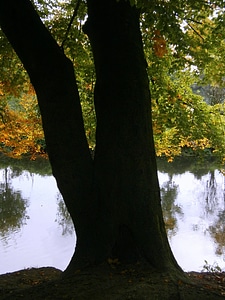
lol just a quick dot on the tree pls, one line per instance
(113, 198)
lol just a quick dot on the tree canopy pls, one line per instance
(184, 45)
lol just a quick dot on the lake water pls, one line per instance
(36, 231)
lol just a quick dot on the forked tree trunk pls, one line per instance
(114, 200)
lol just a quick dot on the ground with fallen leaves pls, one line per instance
(107, 283)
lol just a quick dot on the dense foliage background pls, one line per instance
(184, 44)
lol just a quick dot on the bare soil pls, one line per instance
(109, 282)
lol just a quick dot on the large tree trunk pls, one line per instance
(126, 179)
(114, 200)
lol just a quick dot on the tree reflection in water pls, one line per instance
(217, 230)
(12, 206)
(169, 193)
(63, 217)
(211, 194)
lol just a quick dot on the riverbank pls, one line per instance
(109, 283)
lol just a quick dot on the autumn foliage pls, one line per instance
(20, 126)
(159, 45)
(182, 120)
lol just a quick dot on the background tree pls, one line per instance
(114, 203)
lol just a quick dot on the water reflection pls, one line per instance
(169, 193)
(195, 222)
(211, 193)
(217, 231)
(215, 202)
(31, 235)
(36, 229)
(63, 217)
(13, 213)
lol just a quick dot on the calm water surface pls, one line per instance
(36, 230)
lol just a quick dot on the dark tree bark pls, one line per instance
(52, 76)
(114, 200)
(125, 164)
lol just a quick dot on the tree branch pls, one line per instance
(70, 23)
(194, 21)
(196, 31)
